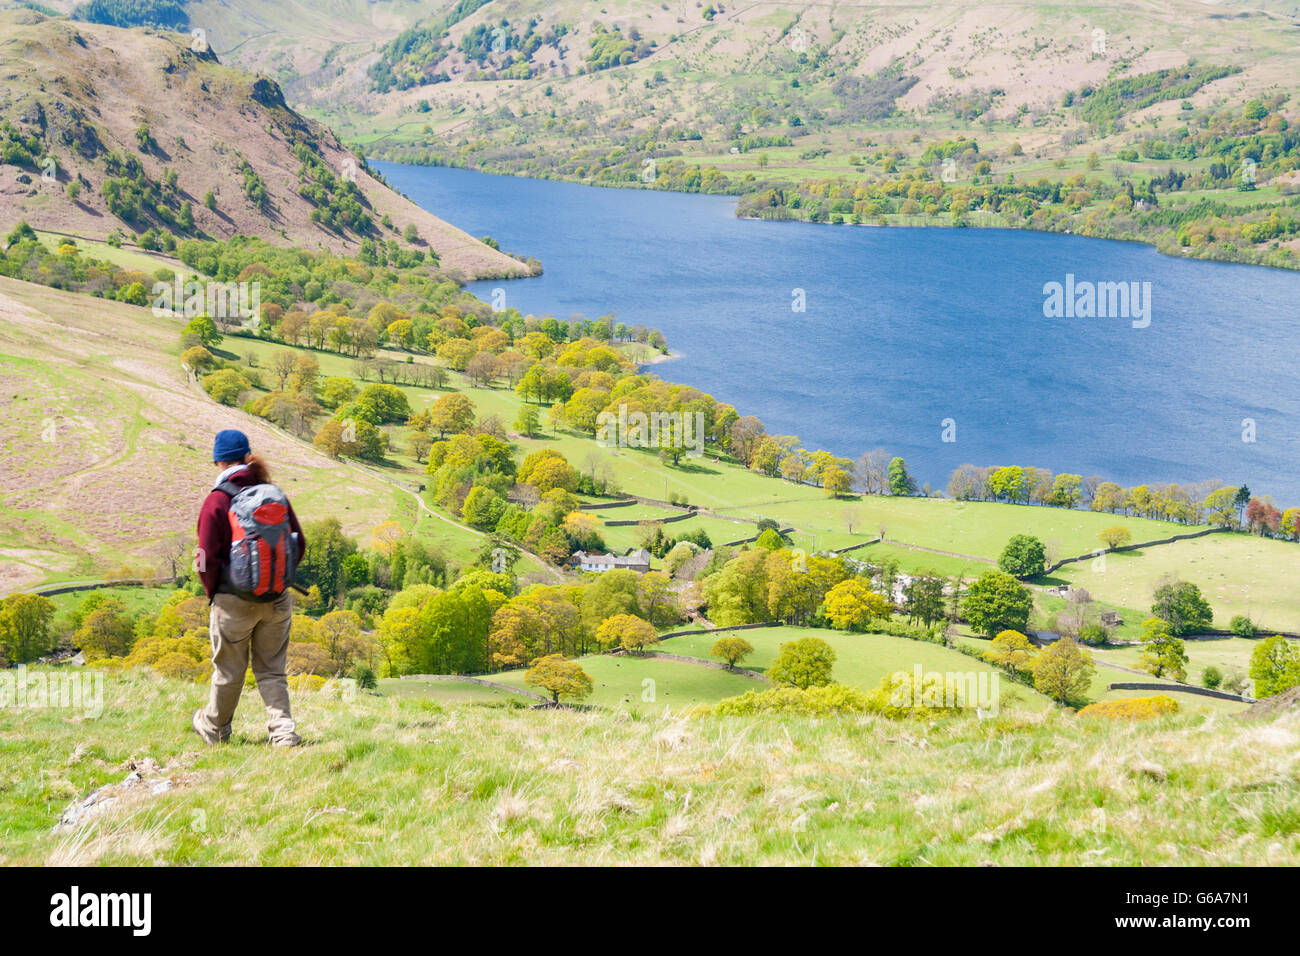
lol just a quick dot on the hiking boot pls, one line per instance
(286, 740)
(209, 738)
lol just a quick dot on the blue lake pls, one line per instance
(904, 328)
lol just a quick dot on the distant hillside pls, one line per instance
(1170, 123)
(707, 66)
(136, 131)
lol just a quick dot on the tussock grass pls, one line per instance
(403, 780)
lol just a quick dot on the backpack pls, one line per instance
(263, 546)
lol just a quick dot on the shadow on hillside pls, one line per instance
(694, 468)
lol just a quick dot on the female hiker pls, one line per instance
(250, 544)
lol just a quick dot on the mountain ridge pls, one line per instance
(123, 131)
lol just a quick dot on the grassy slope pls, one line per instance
(135, 600)
(402, 781)
(620, 682)
(1238, 574)
(973, 528)
(448, 692)
(103, 381)
(861, 660)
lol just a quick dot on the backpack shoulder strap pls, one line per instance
(229, 487)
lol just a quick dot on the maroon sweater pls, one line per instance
(214, 532)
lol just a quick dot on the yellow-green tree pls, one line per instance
(850, 605)
(1163, 653)
(559, 678)
(1010, 650)
(399, 636)
(657, 598)
(804, 663)
(401, 333)
(456, 353)
(1275, 666)
(385, 537)
(1115, 536)
(25, 627)
(1064, 671)
(527, 420)
(226, 386)
(198, 358)
(732, 650)
(547, 469)
(517, 631)
(105, 631)
(627, 631)
(836, 482)
(452, 412)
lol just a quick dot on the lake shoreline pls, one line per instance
(914, 334)
(738, 196)
(661, 358)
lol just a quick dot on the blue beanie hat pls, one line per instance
(231, 445)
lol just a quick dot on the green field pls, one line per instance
(719, 531)
(1228, 653)
(448, 692)
(1127, 657)
(127, 256)
(648, 685)
(136, 600)
(913, 560)
(975, 528)
(861, 660)
(1237, 573)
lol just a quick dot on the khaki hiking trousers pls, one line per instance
(241, 630)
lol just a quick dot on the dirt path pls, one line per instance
(538, 559)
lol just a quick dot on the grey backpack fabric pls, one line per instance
(263, 545)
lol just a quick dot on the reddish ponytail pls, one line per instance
(258, 469)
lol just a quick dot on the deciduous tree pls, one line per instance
(1275, 666)
(1163, 653)
(851, 604)
(1181, 606)
(1064, 671)
(1115, 536)
(453, 413)
(627, 631)
(804, 663)
(559, 678)
(1024, 556)
(732, 650)
(1010, 650)
(997, 602)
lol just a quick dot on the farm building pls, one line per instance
(638, 561)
